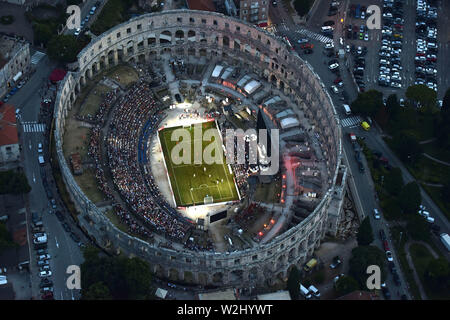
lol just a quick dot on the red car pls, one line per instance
(418, 54)
(47, 296)
(386, 245)
(307, 46)
(337, 80)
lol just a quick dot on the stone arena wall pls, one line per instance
(216, 37)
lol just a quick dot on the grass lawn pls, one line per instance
(191, 183)
(421, 258)
(88, 183)
(401, 254)
(437, 152)
(115, 220)
(427, 170)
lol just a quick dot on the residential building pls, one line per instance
(14, 62)
(9, 139)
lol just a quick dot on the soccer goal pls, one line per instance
(208, 200)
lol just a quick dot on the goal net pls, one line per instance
(208, 200)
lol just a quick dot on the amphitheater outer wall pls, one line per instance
(270, 58)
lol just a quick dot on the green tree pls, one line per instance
(393, 107)
(293, 283)
(393, 182)
(63, 48)
(362, 257)
(14, 182)
(345, 285)
(42, 33)
(442, 129)
(437, 275)
(406, 146)
(368, 103)
(365, 233)
(445, 191)
(423, 95)
(97, 291)
(410, 198)
(302, 6)
(6, 241)
(418, 228)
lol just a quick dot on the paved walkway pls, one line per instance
(436, 160)
(411, 265)
(427, 141)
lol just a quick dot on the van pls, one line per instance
(314, 291)
(311, 264)
(327, 29)
(347, 109)
(305, 292)
(365, 126)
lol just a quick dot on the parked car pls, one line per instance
(376, 214)
(389, 256)
(44, 274)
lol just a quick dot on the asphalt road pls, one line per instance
(62, 249)
(364, 184)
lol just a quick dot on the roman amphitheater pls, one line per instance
(235, 74)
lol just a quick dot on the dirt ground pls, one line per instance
(88, 183)
(76, 138)
(124, 75)
(93, 100)
(268, 193)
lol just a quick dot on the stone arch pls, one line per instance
(173, 274)
(237, 45)
(191, 35)
(291, 255)
(141, 58)
(179, 35)
(130, 47)
(237, 276)
(273, 79)
(165, 37)
(159, 271)
(217, 277)
(281, 85)
(202, 52)
(226, 41)
(191, 51)
(253, 274)
(202, 278)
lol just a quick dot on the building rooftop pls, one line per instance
(8, 47)
(204, 5)
(8, 127)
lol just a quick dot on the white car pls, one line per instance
(44, 274)
(43, 257)
(430, 219)
(389, 256)
(77, 32)
(376, 214)
(366, 37)
(335, 89)
(40, 150)
(396, 85)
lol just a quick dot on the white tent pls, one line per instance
(252, 86)
(216, 72)
(289, 122)
(17, 76)
(161, 293)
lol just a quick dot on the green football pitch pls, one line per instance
(192, 183)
